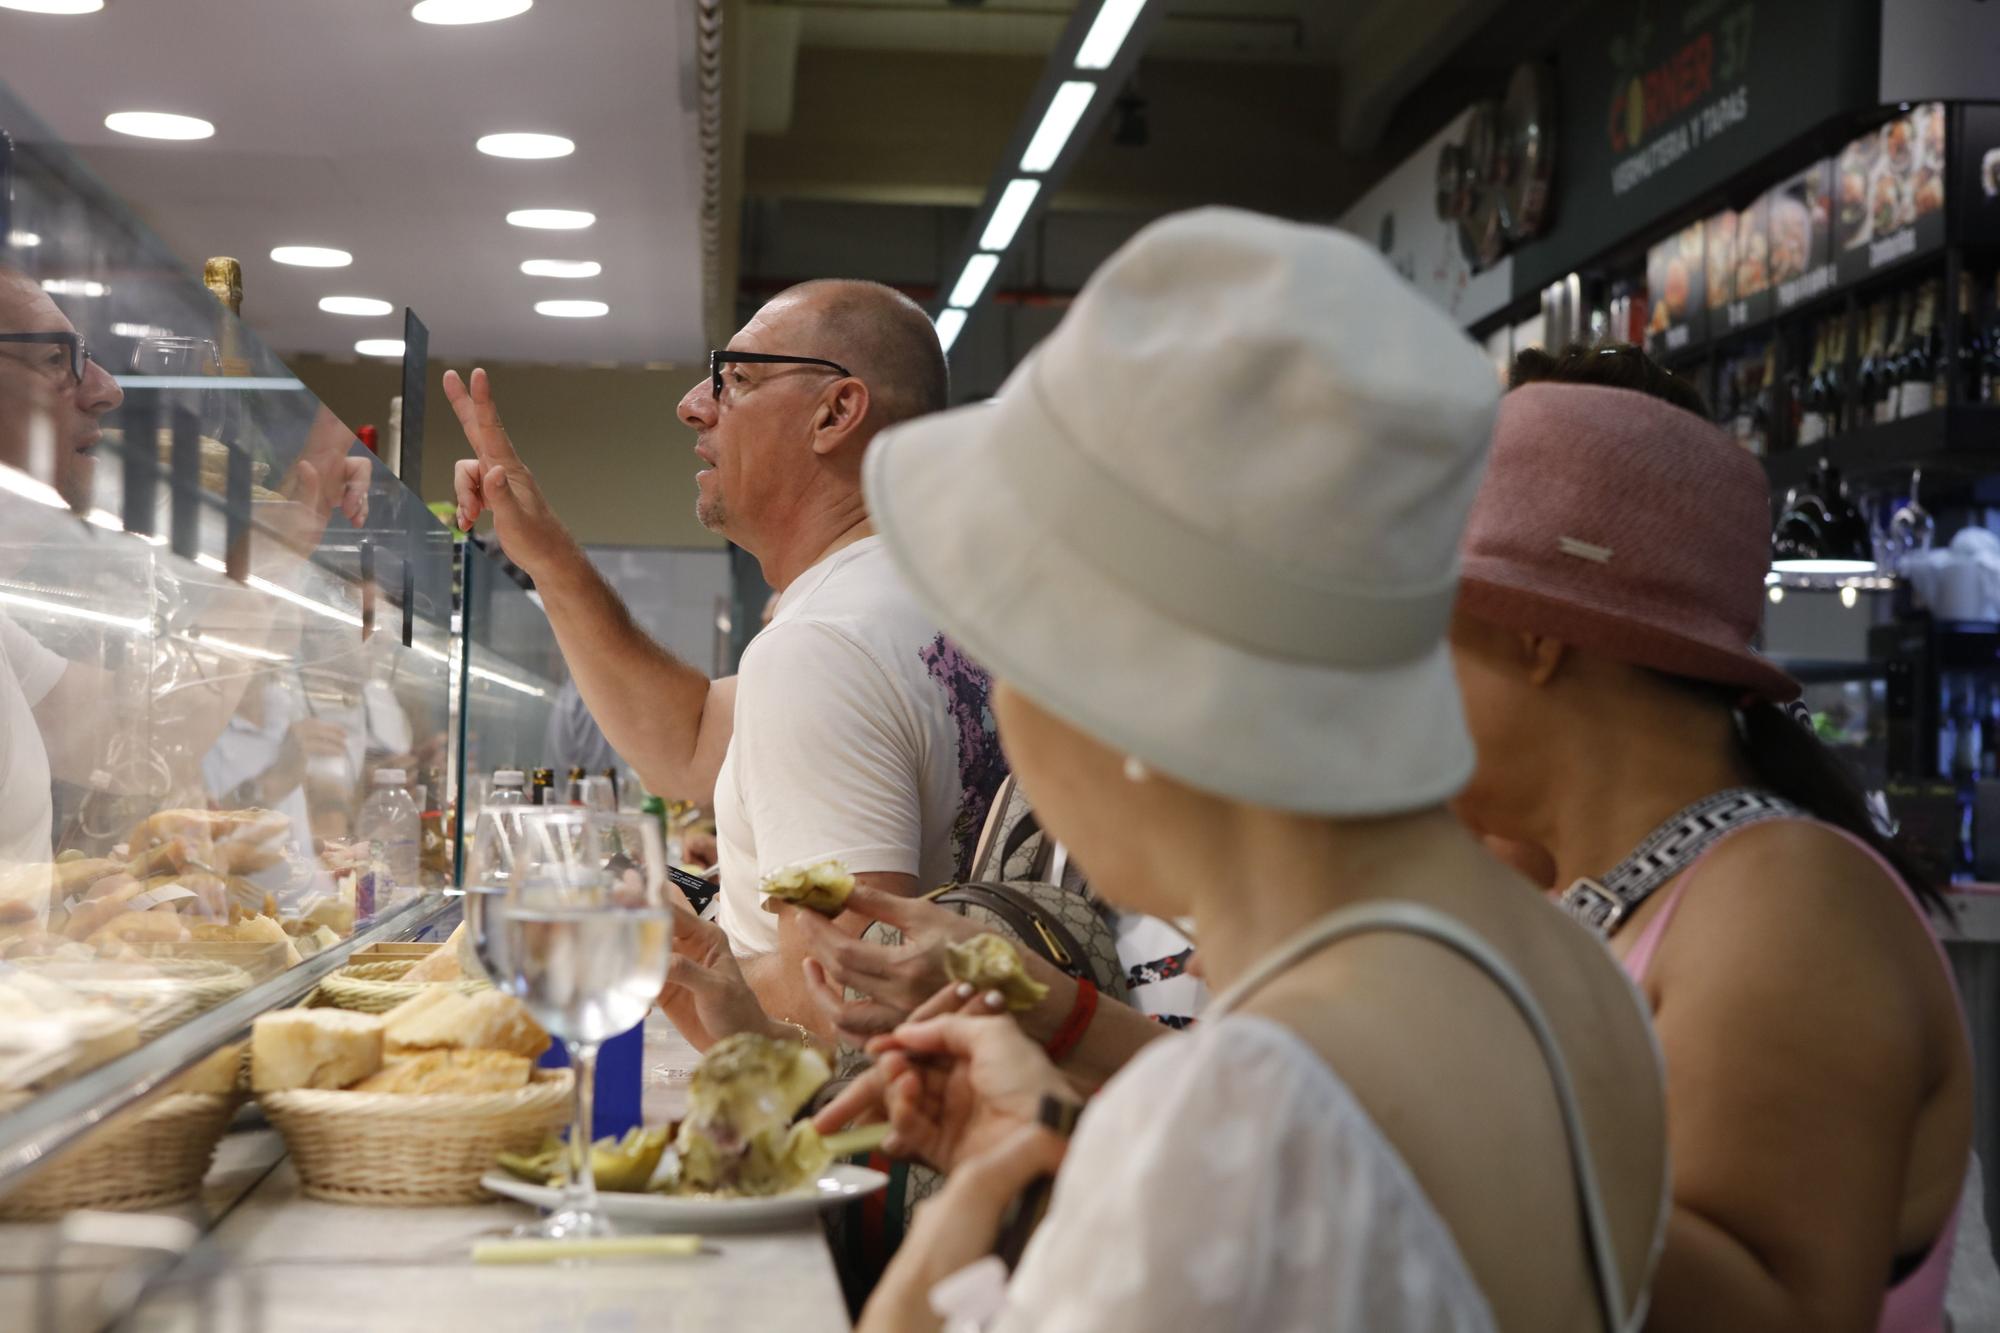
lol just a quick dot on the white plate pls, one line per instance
(841, 1183)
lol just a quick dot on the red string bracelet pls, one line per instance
(1071, 1032)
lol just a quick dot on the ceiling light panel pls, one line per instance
(949, 325)
(572, 309)
(158, 125)
(454, 13)
(1015, 201)
(1107, 33)
(311, 256)
(1066, 108)
(972, 282)
(354, 305)
(551, 219)
(531, 146)
(561, 268)
(380, 347)
(53, 6)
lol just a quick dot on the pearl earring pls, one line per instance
(1136, 771)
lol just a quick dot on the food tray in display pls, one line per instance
(155, 1159)
(1889, 193)
(377, 986)
(839, 1184)
(411, 1149)
(161, 994)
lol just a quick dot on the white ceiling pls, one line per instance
(346, 123)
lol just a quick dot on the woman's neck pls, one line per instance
(1264, 876)
(1596, 798)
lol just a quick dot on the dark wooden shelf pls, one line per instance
(1956, 445)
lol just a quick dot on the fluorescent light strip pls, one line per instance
(949, 323)
(207, 561)
(136, 624)
(1824, 566)
(1015, 201)
(318, 608)
(1066, 108)
(216, 641)
(1107, 33)
(219, 383)
(25, 486)
(498, 679)
(972, 282)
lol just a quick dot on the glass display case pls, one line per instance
(242, 670)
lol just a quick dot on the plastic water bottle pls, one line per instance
(510, 787)
(392, 827)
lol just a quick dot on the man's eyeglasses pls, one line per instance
(78, 352)
(717, 360)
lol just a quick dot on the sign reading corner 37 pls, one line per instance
(1664, 100)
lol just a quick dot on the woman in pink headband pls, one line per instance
(1819, 1082)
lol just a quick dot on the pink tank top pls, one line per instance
(1916, 1304)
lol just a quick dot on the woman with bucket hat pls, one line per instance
(1819, 1084)
(1205, 540)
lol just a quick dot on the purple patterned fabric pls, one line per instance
(981, 765)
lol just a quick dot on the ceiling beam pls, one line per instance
(1393, 50)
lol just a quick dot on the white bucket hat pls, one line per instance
(1213, 520)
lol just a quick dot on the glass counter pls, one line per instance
(227, 633)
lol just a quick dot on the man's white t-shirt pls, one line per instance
(28, 671)
(861, 734)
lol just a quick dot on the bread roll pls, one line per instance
(441, 965)
(437, 1072)
(444, 1018)
(313, 1048)
(140, 927)
(217, 1075)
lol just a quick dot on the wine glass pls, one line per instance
(567, 911)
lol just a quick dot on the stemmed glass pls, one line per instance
(567, 910)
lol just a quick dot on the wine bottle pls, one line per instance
(1989, 362)
(1812, 421)
(1964, 379)
(1919, 362)
(1836, 376)
(1764, 415)
(1868, 380)
(1890, 400)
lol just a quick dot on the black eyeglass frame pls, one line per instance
(79, 352)
(718, 359)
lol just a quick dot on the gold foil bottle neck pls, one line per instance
(224, 277)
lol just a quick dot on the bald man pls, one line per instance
(853, 730)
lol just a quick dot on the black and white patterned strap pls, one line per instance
(1603, 904)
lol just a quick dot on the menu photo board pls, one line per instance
(1674, 272)
(1890, 188)
(1751, 298)
(1978, 150)
(1801, 237)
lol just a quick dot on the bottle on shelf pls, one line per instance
(1890, 402)
(1918, 364)
(611, 776)
(1989, 361)
(1764, 412)
(223, 277)
(1963, 383)
(542, 788)
(510, 787)
(1812, 419)
(1835, 375)
(391, 827)
(1868, 376)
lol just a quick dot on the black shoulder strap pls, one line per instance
(1603, 904)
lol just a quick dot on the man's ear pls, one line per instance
(1542, 657)
(839, 415)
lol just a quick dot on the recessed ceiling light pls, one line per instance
(467, 11)
(561, 268)
(354, 305)
(380, 347)
(53, 6)
(551, 219)
(525, 145)
(72, 287)
(158, 125)
(23, 240)
(572, 309)
(312, 256)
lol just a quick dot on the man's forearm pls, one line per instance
(782, 993)
(651, 706)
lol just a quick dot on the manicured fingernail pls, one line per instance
(995, 1000)
(965, 989)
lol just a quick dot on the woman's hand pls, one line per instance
(959, 1226)
(706, 996)
(894, 980)
(864, 1100)
(956, 1086)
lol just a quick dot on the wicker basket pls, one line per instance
(161, 994)
(408, 1149)
(155, 1158)
(377, 986)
